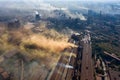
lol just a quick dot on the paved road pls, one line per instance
(87, 65)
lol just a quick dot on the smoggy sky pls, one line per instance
(65, 0)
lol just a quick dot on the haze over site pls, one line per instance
(63, 0)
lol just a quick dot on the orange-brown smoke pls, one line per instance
(28, 38)
(48, 44)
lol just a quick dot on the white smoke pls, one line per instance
(65, 65)
(36, 12)
(81, 17)
(76, 15)
(49, 7)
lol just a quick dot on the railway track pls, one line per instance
(64, 69)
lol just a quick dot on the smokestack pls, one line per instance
(37, 16)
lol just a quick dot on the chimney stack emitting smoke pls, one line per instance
(37, 16)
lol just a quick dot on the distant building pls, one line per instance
(100, 13)
(14, 24)
(37, 16)
(91, 12)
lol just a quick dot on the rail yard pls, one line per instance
(77, 66)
